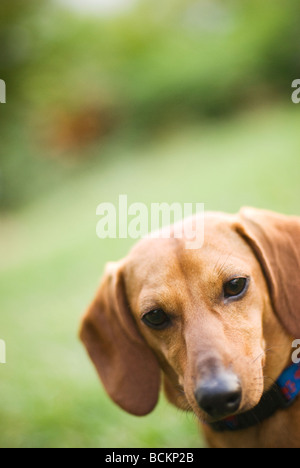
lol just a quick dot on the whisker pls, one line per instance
(180, 389)
(265, 352)
(261, 354)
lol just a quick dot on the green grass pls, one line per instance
(51, 262)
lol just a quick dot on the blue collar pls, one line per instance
(281, 395)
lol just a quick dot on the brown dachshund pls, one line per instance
(216, 325)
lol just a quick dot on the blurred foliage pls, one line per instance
(74, 81)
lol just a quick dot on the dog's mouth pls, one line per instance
(209, 420)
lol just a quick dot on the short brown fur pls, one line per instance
(252, 337)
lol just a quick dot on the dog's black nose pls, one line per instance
(220, 395)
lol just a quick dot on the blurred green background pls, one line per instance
(185, 101)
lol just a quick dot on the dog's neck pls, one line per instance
(280, 431)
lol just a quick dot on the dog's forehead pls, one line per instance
(154, 259)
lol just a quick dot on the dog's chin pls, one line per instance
(205, 419)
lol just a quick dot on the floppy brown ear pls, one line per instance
(126, 365)
(275, 239)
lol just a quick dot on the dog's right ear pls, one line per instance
(275, 240)
(126, 365)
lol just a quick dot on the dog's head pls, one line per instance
(215, 323)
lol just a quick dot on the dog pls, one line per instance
(215, 326)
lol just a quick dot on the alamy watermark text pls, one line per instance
(296, 93)
(2, 92)
(2, 352)
(159, 221)
(296, 354)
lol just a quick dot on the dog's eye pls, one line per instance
(235, 287)
(157, 319)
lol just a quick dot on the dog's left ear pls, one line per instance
(275, 240)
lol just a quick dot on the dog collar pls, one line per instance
(281, 395)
